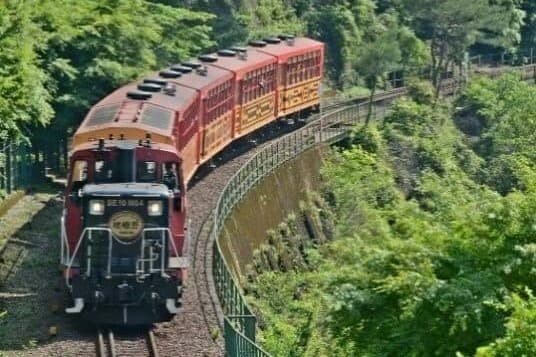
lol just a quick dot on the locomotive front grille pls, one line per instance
(103, 255)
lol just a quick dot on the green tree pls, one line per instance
(452, 26)
(270, 18)
(94, 46)
(336, 26)
(377, 58)
(520, 338)
(24, 99)
(528, 33)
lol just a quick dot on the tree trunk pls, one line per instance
(371, 101)
(438, 60)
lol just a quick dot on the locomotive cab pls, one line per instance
(124, 237)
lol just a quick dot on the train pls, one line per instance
(124, 237)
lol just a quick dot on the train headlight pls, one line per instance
(96, 207)
(154, 208)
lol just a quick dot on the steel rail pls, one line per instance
(151, 342)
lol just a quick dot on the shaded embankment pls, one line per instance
(267, 205)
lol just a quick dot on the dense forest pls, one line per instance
(431, 244)
(60, 56)
(431, 248)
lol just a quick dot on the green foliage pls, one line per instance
(391, 46)
(24, 100)
(506, 109)
(528, 32)
(62, 56)
(377, 58)
(336, 25)
(107, 44)
(421, 92)
(452, 26)
(428, 257)
(520, 337)
(270, 18)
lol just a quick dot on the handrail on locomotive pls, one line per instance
(141, 271)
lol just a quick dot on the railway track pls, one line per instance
(195, 331)
(108, 346)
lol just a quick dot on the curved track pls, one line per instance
(195, 331)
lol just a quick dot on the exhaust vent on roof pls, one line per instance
(208, 58)
(181, 68)
(257, 43)
(239, 49)
(272, 40)
(226, 53)
(149, 87)
(138, 94)
(285, 37)
(170, 89)
(158, 81)
(289, 39)
(192, 64)
(242, 52)
(202, 71)
(169, 74)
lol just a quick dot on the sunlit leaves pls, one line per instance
(24, 99)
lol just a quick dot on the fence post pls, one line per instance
(249, 325)
(9, 169)
(3, 167)
(321, 127)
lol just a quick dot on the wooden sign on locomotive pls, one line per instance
(124, 247)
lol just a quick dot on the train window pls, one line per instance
(146, 171)
(79, 171)
(103, 171)
(79, 175)
(169, 175)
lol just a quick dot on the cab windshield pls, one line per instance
(106, 171)
(146, 171)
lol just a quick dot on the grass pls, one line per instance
(27, 297)
(22, 212)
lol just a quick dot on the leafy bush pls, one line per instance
(434, 246)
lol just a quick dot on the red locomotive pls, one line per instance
(124, 247)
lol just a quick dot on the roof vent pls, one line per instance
(149, 87)
(169, 74)
(138, 94)
(181, 68)
(226, 53)
(289, 39)
(158, 81)
(257, 43)
(192, 64)
(208, 58)
(202, 71)
(170, 89)
(239, 49)
(272, 40)
(285, 37)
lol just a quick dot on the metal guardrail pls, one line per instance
(239, 321)
(239, 325)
